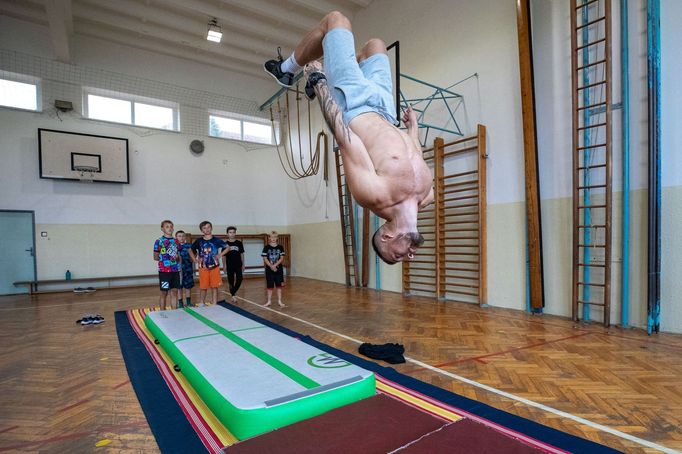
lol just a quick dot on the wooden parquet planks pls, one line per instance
(64, 387)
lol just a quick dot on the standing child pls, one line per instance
(167, 255)
(273, 256)
(234, 261)
(187, 277)
(206, 253)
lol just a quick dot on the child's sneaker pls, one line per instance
(79, 290)
(97, 319)
(274, 68)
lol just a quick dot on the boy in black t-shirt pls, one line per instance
(234, 261)
(273, 256)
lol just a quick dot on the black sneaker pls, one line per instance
(96, 320)
(79, 290)
(309, 91)
(313, 79)
(274, 68)
(90, 289)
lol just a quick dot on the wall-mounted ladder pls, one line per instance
(452, 263)
(350, 256)
(591, 81)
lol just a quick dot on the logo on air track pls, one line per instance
(327, 361)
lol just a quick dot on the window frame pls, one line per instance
(25, 79)
(132, 99)
(244, 119)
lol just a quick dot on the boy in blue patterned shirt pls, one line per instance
(166, 253)
(187, 267)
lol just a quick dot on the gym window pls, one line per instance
(130, 110)
(20, 92)
(237, 127)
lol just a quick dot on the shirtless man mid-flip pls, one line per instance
(384, 166)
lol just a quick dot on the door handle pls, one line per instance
(29, 250)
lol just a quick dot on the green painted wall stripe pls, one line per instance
(260, 354)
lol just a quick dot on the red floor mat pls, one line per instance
(466, 437)
(377, 424)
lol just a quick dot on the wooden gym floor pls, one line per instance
(64, 387)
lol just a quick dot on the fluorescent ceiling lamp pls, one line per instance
(215, 33)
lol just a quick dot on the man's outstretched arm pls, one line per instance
(410, 122)
(364, 182)
(331, 111)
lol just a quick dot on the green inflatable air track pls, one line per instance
(252, 377)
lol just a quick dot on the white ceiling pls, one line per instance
(252, 29)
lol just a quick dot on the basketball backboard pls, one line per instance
(63, 155)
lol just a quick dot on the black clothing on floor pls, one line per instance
(391, 353)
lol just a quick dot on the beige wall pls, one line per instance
(317, 251)
(671, 260)
(93, 250)
(557, 247)
(317, 254)
(506, 264)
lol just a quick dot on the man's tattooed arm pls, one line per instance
(332, 113)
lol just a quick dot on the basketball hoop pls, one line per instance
(86, 173)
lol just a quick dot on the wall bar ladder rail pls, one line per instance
(625, 83)
(654, 180)
(582, 203)
(439, 202)
(346, 212)
(482, 218)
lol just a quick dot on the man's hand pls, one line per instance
(410, 121)
(313, 67)
(410, 118)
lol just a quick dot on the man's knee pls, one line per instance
(336, 19)
(372, 47)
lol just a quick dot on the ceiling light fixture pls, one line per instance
(215, 32)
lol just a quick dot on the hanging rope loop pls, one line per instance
(295, 166)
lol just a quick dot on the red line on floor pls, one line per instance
(503, 352)
(27, 444)
(121, 384)
(575, 327)
(73, 405)
(115, 428)
(73, 436)
(644, 341)
(8, 429)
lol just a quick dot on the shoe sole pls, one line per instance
(305, 92)
(276, 79)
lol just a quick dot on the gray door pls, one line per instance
(17, 243)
